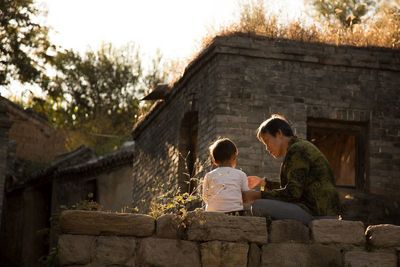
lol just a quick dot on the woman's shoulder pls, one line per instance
(299, 144)
(304, 148)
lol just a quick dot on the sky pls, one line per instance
(174, 27)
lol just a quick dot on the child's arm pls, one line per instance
(245, 185)
(254, 181)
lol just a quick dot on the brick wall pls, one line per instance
(157, 139)
(36, 140)
(303, 81)
(5, 124)
(240, 81)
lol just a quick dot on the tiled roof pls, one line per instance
(66, 165)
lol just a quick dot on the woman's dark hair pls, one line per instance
(273, 125)
(222, 150)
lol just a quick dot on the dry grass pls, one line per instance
(383, 30)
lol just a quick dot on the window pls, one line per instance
(344, 145)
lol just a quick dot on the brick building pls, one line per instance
(30, 222)
(27, 143)
(38, 176)
(344, 99)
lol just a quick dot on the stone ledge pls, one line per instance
(75, 249)
(383, 235)
(104, 223)
(168, 227)
(168, 252)
(209, 226)
(338, 231)
(289, 231)
(300, 255)
(218, 253)
(370, 259)
(335, 243)
(254, 256)
(115, 250)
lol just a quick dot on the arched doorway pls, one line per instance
(188, 152)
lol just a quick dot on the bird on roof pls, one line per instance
(160, 92)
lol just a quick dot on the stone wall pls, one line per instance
(216, 239)
(239, 81)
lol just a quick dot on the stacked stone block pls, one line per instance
(215, 239)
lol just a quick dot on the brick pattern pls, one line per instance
(36, 141)
(240, 81)
(157, 157)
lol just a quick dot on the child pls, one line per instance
(223, 186)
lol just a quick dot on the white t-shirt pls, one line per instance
(222, 189)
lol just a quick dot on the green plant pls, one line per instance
(50, 260)
(86, 204)
(129, 209)
(179, 204)
(168, 197)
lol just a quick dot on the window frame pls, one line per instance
(360, 131)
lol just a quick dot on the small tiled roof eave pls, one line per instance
(99, 165)
(92, 167)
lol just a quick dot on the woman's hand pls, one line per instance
(254, 181)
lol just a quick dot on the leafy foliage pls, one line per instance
(346, 12)
(98, 84)
(95, 96)
(168, 198)
(24, 44)
(178, 204)
(86, 204)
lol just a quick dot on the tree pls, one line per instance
(24, 45)
(346, 12)
(95, 96)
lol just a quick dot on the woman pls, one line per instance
(307, 182)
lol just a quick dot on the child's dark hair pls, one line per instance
(273, 125)
(222, 150)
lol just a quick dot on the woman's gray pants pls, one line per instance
(280, 210)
